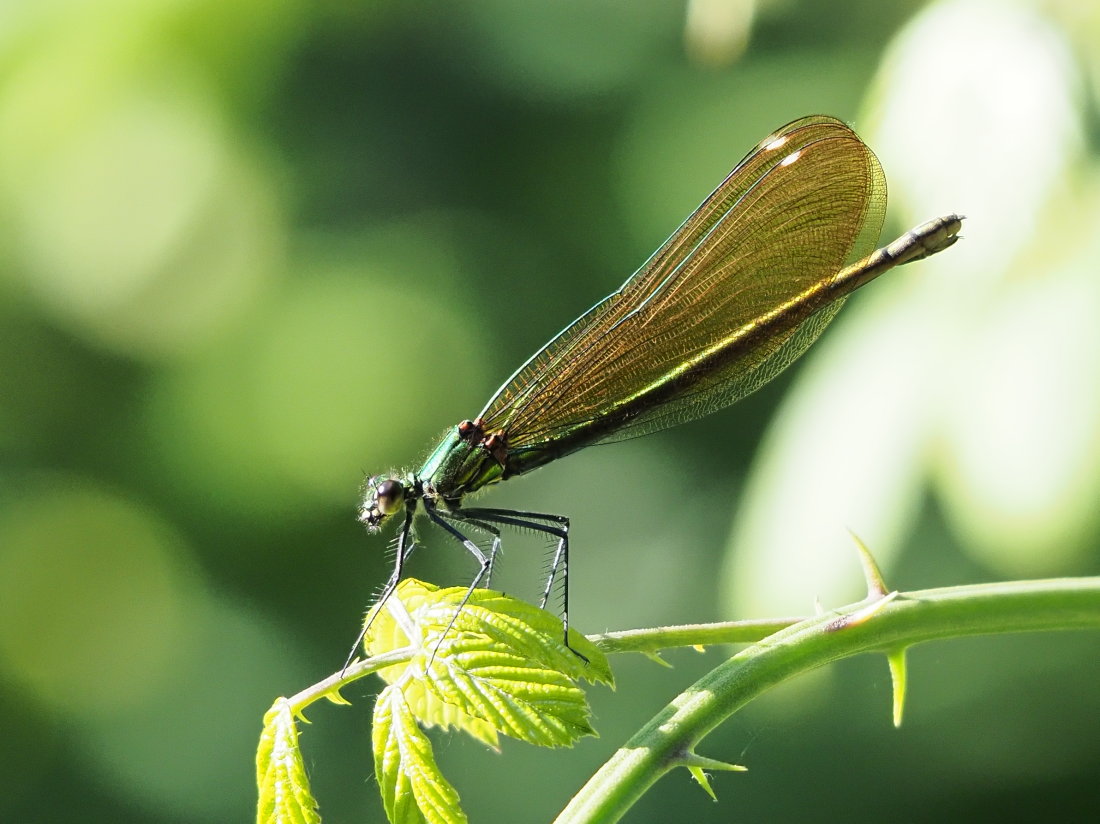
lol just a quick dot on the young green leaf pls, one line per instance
(492, 665)
(413, 789)
(284, 796)
(498, 665)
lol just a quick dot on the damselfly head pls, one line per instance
(382, 496)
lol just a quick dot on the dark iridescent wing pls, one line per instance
(808, 200)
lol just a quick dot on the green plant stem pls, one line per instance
(656, 639)
(669, 738)
(330, 687)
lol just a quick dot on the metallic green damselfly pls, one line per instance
(732, 298)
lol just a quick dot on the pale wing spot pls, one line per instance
(791, 158)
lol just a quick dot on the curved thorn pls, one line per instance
(876, 584)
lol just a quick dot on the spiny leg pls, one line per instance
(493, 549)
(443, 519)
(523, 521)
(557, 526)
(405, 546)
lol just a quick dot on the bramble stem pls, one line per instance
(910, 618)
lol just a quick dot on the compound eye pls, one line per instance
(389, 496)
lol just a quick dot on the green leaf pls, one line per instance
(498, 665)
(413, 789)
(492, 665)
(284, 796)
(431, 710)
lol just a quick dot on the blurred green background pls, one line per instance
(250, 251)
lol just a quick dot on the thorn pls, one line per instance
(656, 658)
(691, 759)
(854, 619)
(335, 697)
(696, 764)
(899, 675)
(818, 609)
(703, 781)
(876, 584)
